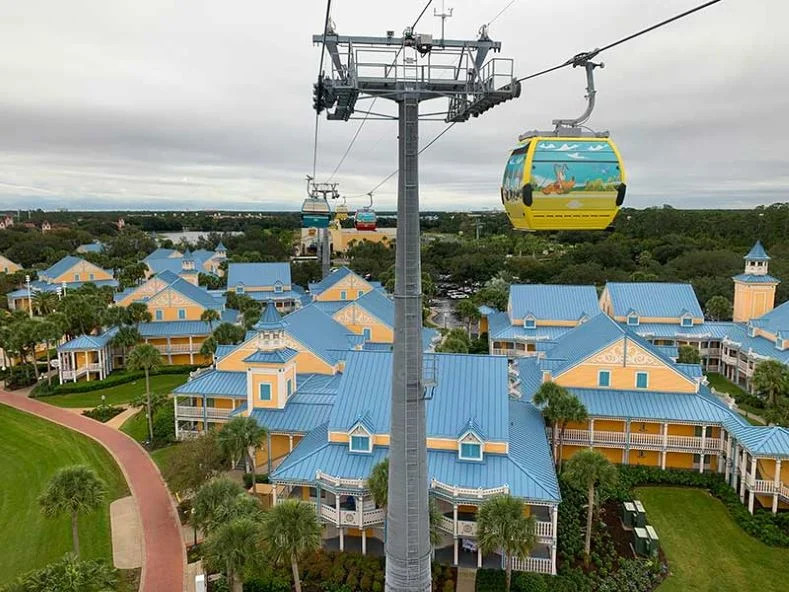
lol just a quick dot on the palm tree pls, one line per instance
(49, 332)
(235, 546)
(116, 316)
(718, 308)
(139, 313)
(291, 530)
(503, 525)
(125, 338)
(378, 486)
(469, 312)
(45, 302)
(560, 407)
(238, 436)
(68, 574)
(209, 315)
(211, 502)
(70, 491)
(771, 380)
(589, 469)
(145, 357)
(208, 348)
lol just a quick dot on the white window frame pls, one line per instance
(158, 314)
(240, 289)
(278, 287)
(367, 333)
(343, 295)
(181, 314)
(599, 374)
(646, 374)
(260, 394)
(360, 432)
(76, 277)
(635, 317)
(529, 322)
(687, 321)
(471, 438)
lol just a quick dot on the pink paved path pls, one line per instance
(165, 554)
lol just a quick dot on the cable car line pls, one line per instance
(421, 14)
(320, 82)
(502, 11)
(575, 60)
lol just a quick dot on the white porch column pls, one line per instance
(479, 558)
(736, 466)
(455, 549)
(364, 541)
(342, 539)
(591, 431)
(701, 462)
(61, 361)
(727, 467)
(663, 455)
(73, 367)
(703, 437)
(553, 558)
(337, 507)
(360, 511)
(743, 472)
(274, 495)
(752, 480)
(175, 415)
(290, 442)
(455, 519)
(777, 485)
(169, 354)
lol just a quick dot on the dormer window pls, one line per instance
(632, 319)
(239, 289)
(361, 440)
(529, 322)
(687, 321)
(779, 343)
(751, 331)
(470, 447)
(278, 288)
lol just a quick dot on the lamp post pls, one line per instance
(29, 296)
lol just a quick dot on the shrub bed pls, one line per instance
(258, 479)
(114, 379)
(103, 413)
(771, 529)
(22, 376)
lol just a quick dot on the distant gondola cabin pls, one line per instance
(315, 213)
(559, 183)
(365, 219)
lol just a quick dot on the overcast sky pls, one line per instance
(207, 104)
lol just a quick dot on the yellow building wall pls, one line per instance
(170, 302)
(306, 361)
(623, 377)
(679, 460)
(545, 322)
(752, 300)
(483, 325)
(766, 468)
(609, 425)
(351, 284)
(681, 430)
(646, 458)
(80, 272)
(643, 427)
(8, 266)
(379, 332)
(277, 380)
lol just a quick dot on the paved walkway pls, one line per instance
(467, 580)
(117, 421)
(126, 534)
(164, 552)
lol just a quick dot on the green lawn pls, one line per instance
(162, 456)
(136, 426)
(118, 395)
(32, 450)
(706, 550)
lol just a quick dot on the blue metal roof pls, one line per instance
(738, 334)
(257, 274)
(277, 356)
(94, 247)
(332, 306)
(486, 310)
(216, 383)
(174, 328)
(224, 350)
(62, 266)
(691, 370)
(379, 305)
(270, 319)
(89, 342)
(775, 320)
(500, 327)
(707, 329)
(750, 278)
(196, 294)
(271, 296)
(586, 339)
(529, 448)
(757, 253)
(318, 332)
(468, 387)
(334, 277)
(553, 302)
(654, 299)
(162, 254)
(763, 441)
(230, 315)
(308, 407)
(172, 265)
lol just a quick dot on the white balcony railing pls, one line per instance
(447, 525)
(329, 513)
(339, 481)
(479, 493)
(467, 528)
(640, 439)
(769, 487)
(544, 529)
(349, 518)
(376, 516)
(188, 412)
(178, 348)
(535, 564)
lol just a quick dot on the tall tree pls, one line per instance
(771, 380)
(116, 316)
(718, 308)
(560, 407)
(26, 337)
(589, 469)
(688, 354)
(235, 545)
(198, 461)
(227, 334)
(125, 338)
(211, 502)
(291, 530)
(145, 357)
(240, 435)
(49, 332)
(210, 315)
(45, 302)
(502, 525)
(73, 490)
(139, 313)
(378, 486)
(469, 312)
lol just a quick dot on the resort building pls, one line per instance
(8, 266)
(176, 306)
(536, 316)
(88, 357)
(342, 285)
(266, 282)
(68, 273)
(202, 261)
(342, 239)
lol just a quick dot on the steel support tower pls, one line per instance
(408, 70)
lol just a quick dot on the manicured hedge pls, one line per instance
(103, 413)
(771, 529)
(114, 379)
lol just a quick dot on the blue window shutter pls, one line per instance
(343, 295)
(159, 315)
(642, 380)
(604, 378)
(265, 391)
